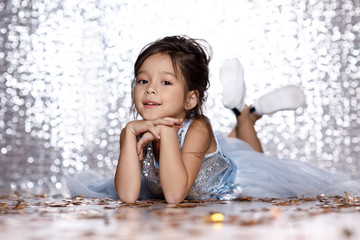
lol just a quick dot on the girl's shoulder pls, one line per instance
(200, 131)
(202, 124)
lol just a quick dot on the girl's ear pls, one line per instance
(192, 100)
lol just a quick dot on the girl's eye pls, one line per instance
(166, 83)
(142, 81)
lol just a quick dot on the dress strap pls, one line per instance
(182, 131)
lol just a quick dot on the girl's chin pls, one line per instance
(151, 118)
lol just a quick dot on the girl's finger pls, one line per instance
(153, 131)
(165, 122)
(140, 155)
(139, 148)
(174, 120)
(140, 145)
(143, 141)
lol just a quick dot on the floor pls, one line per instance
(42, 217)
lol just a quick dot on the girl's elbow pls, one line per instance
(128, 198)
(174, 198)
(127, 195)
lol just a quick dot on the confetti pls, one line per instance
(349, 198)
(217, 217)
(189, 215)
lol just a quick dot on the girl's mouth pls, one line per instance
(151, 104)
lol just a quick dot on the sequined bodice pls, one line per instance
(215, 178)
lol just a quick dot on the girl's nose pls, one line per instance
(150, 89)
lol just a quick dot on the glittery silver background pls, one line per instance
(66, 67)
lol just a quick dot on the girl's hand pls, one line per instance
(149, 136)
(138, 127)
(145, 139)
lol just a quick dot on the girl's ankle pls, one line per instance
(247, 116)
(244, 115)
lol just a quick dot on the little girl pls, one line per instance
(173, 153)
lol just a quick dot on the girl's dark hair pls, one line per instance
(190, 58)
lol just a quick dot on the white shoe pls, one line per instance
(234, 90)
(285, 98)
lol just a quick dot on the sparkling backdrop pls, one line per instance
(66, 67)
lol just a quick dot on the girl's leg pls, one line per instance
(285, 98)
(245, 130)
(234, 90)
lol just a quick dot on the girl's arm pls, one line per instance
(178, 169)
(128, 176)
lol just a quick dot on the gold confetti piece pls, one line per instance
(19, 205)
(320, 196)
(57, 204)
(79, 197)
(184, 205)
(349, 198)
(246, 199)
(137, 204)
(41, 196)
(217, 217)
(214, 217)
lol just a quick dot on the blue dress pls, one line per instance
(234, 170)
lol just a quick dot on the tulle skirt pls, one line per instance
(90, 184)
(258, 175)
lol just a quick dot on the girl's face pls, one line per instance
(158, 91)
